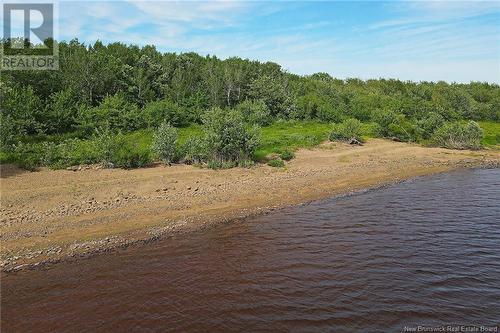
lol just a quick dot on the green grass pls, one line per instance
(290, 135)
(282, 138)
(188, 132)
(491, 133)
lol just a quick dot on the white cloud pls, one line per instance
(427, 41)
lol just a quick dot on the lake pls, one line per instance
(421, 252)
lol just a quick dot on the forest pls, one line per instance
(129, 106)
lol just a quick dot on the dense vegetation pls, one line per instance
(126, 106)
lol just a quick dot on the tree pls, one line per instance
(274, 92)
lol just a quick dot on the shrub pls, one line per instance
(8, 131)
(114, 113)
(255, 112)
(61, 111)
(214, 164)
(227, 137)
(395, 126)
(107, 146)
(131, 156)
(384, 118)
(60, 155)
(428, 125)
(459, 136)
(276, 163)
(349, 129)
(114, 150)
(328, 113)
(23, 108)
(165, 142)
(28, 156)
(287, 155)
(165, 110)
(194, 150)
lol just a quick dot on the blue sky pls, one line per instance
(410, 40)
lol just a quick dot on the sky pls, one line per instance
(454, 41)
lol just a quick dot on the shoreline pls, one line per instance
(195, 198)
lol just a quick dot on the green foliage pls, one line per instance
(62, 111)
(117, 150)
(458, 135)
(347, 130)
(227, 138)
(195, 150)
(165, 142)
(22, 110)
(27, 156)
(107, 145)
(255, 112)
(396, 126)
(290, 135)
(287, 155)
(132, 90)
(273, 91)
(129, 156)
(429, 124)
(165, 110)
(8, 131)
(276, 163)
(114, 113)
(312, 106)
(491, 133)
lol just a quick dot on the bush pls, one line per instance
(459, 136)
(165, 142)
(23, 108)
(8, 131)
(287, 155)
(114, 113)
(107, 146)
(276, 163)
(114, 150)
(194, 150)
(165, 110)
(328, 113)
(430, 124)
(131, 156)
(28, 156)
(349, 129)
(61, 111)
(255, 112)
(60, 155)
(227, 137)
(396, 126)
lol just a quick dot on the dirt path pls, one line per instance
(49, 215)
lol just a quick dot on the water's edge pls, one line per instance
(165, 233)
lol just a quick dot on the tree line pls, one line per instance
(123, 88)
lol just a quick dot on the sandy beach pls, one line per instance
(53, 215)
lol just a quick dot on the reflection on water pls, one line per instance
(422, 252)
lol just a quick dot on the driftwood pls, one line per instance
(354, 141)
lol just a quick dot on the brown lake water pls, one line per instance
(422, 252)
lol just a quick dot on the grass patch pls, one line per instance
(188, 132)
(289, 135)
(491, 133)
